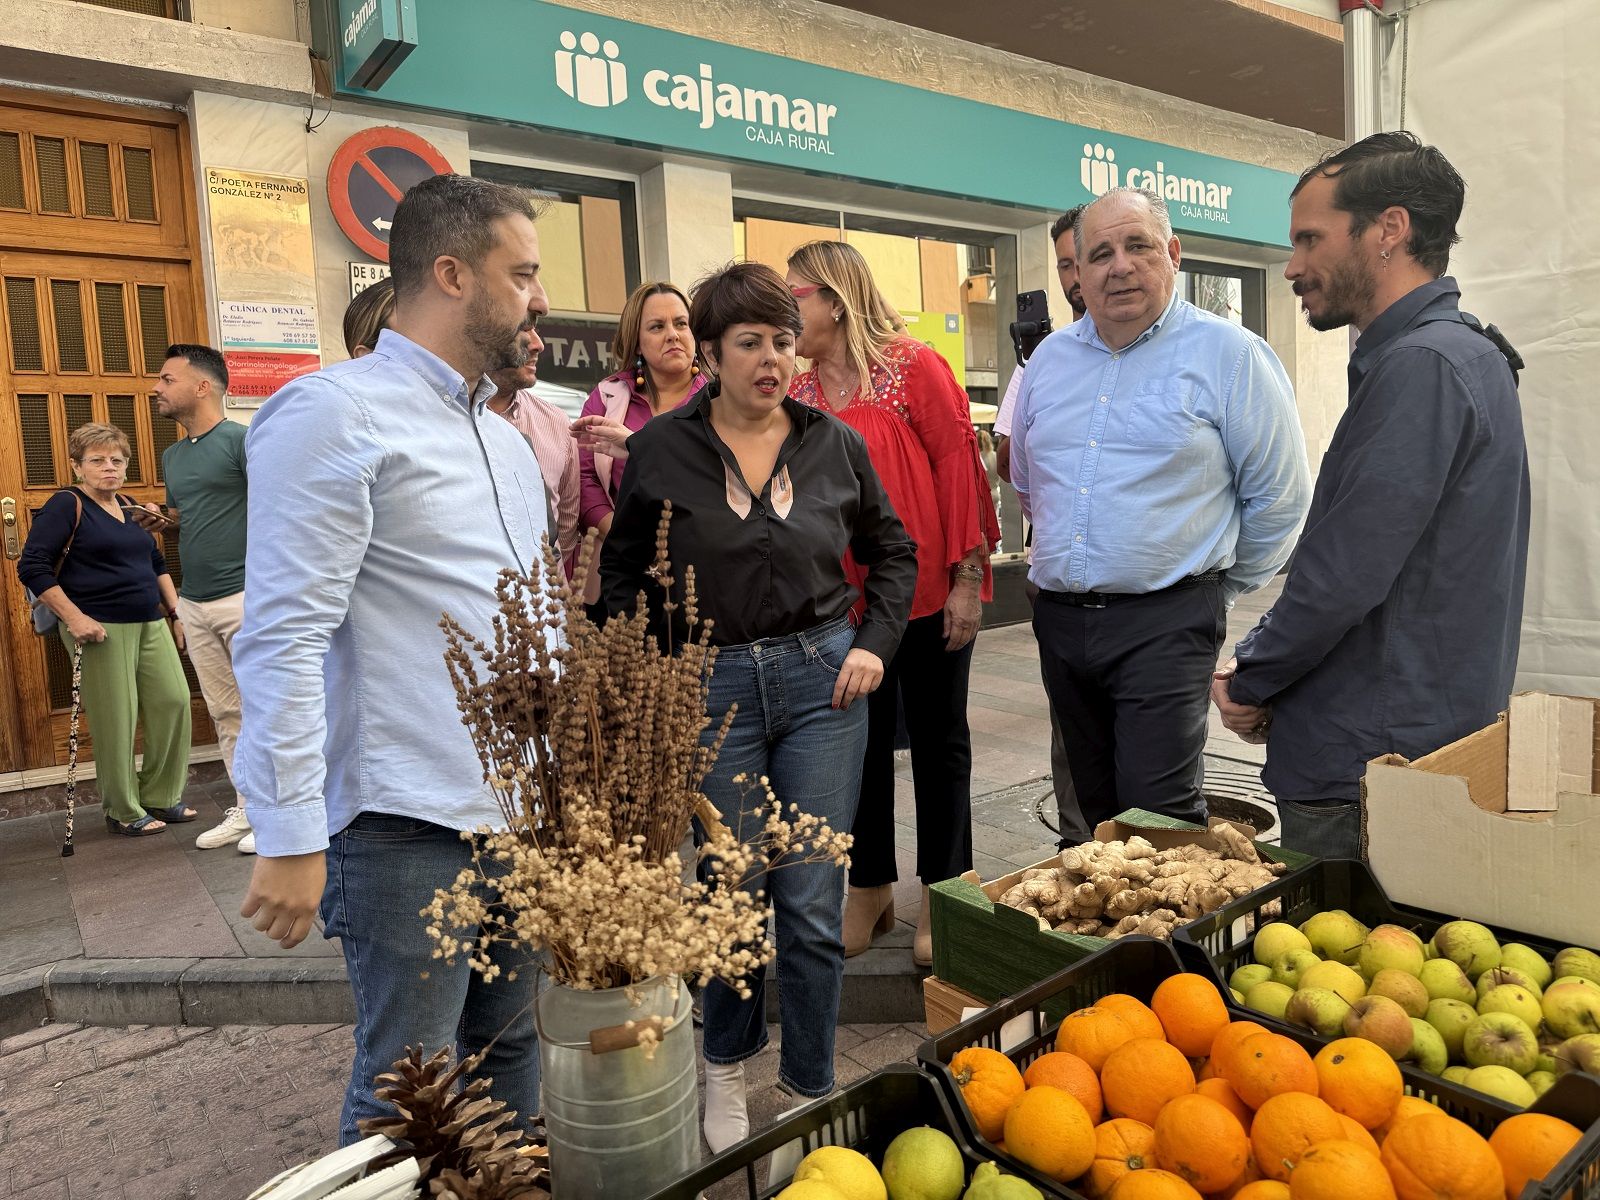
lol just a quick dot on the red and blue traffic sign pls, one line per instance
(369, 175)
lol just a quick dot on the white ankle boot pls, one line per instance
(727, 1114)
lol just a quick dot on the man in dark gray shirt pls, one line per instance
(1398, 624)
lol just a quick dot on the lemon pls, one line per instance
(848, 1172)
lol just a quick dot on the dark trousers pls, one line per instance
(1326, 828)
(1071, 829)
(1130, 683)
(932, 687)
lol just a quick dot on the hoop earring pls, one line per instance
(638, 372)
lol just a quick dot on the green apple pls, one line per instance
(1500, 976)
(1292, 966)
(1501, 1083)
(1518, 1001)
(1572, 1007)
(1446, 981)
(1451, 1018)
(1530, 962)
(1576, 961)
(1581, 1053)
(1500, 1040)
(1336, 977)
(1247, 976)
(1405, 990)
(1428, 1050)
(1380, 1020)
(1541, 1082)
(1389, 948)
(1469, 945)
(1336, 935)
(1320, 1010)
(1455, 1074)
(1277, 939)
(1269, 997)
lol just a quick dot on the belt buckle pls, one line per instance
(1089, 604)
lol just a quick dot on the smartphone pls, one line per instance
(158, 518)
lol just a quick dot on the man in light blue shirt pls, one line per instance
(382, 494)
(1158, 453)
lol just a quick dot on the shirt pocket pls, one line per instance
(1162, 416)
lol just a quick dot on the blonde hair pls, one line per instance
(869, 322)
(625, 345)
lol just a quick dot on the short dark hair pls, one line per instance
(746, 293)
(1389, 170)
(449, 215)
(203, 359)
(368, 315)
(1066, 221)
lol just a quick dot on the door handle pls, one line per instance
(8, 523)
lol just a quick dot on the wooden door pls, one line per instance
(97, 278)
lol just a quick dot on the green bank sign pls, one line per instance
(374, 38)
(533, 63)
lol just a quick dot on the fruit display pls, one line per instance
(1170, 1098)
(1113, 889)
(921, 1163)
(1500, 1019)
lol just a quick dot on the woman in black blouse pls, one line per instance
(767, 495)
(106, 581)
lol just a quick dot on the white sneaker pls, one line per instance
(247, 844)
(235, 825)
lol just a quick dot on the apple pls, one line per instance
(1320, 1010)
(1519, 1002)
(1451, 1018)
(1277, 939)
(1500, 1040)
(1469, 945)
(1572, 1007)
(1541, 1082)
(1336, 977)
(1336, 935)
(1428, 1050)
(1581, 1053)
(1446, 981)
(1455, 1074)
(1577, 961)
(1270, 997)
(1238, 996)
(1292, 966)
(1247, 976)
(1405, 990)
(1380, 1020)
(1501, 1083)
(1499, 976)
(1530, 962)
(1389, 948)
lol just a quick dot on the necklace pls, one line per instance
(845, 390)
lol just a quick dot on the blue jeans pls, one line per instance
(787, 729)
(382, 871)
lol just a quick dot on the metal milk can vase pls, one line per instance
(621, 1121)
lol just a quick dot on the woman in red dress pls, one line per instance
(902, 397)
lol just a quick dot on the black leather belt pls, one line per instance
(1104, 599)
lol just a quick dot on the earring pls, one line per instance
(638, 372)
(1384, 254)
(837, 317)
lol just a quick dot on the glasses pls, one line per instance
(801, 291)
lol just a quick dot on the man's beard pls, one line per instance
(1347, 292)
(1075, 302)
(500, 347)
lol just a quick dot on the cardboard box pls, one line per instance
(946, 1005)
(991, 951)
(1441, 833)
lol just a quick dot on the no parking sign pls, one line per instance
(370, 174)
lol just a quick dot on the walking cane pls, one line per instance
(72, 743)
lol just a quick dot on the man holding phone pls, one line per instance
(206, 500)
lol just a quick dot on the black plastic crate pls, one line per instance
(865, 1116)
(1576, 1099)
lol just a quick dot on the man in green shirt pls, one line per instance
(205, 478)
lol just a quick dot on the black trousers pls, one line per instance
(1130, 683)
(931, 684)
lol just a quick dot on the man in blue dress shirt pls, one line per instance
(1398, 624)
(1158, 452)
(382, 493)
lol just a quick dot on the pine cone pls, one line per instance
(503, 1180)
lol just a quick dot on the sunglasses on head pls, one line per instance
(801, 291)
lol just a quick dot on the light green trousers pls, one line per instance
(134, 675)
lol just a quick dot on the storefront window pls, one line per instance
(1237, 294)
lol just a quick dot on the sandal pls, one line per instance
(176, 814)
(145, 826)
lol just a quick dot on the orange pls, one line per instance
(1048, 1130)
(1436, 1157)
(1191, 1011)
(1529, 1146)
(1228, 1038)
(1409, 1106)
(1222, 1092)
(1288, 1125)
(1141, 1018)
(1263, 1189)
(1092, 1034)
(1201, 1141)
(1354, 1133)
(1360, 1080)
(1252, 1174)
(1142, 1075)
(990, 1084)
(1071, 1074)
(1339, 1170)
(1153, 1185)
(1266, 1065)
(1120, 1146)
